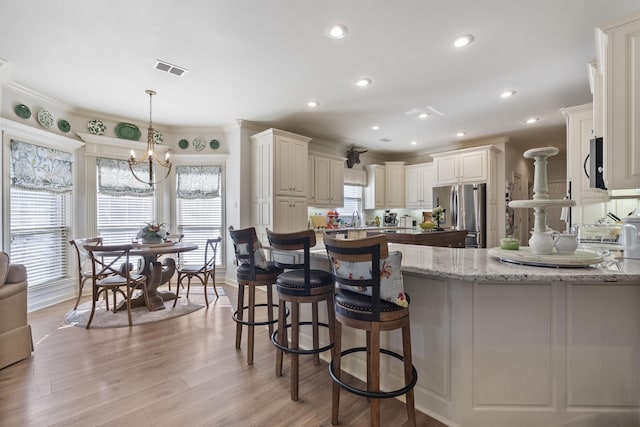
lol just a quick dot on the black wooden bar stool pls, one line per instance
(299, 284)
(253, 270)
(356, 265)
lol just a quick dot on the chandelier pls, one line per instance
(149, 157)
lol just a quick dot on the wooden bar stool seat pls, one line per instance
(299, 284)
(366, 310)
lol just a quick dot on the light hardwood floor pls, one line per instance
(180, 372)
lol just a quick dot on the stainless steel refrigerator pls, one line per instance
(465, 208)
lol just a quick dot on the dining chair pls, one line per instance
(112, 271)
(369, 295)
(85, 272)
(203, 272)
(175, 238)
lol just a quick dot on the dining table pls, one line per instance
(157, 272)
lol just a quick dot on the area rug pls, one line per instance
(140, 315)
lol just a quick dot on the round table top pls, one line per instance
(162, 248)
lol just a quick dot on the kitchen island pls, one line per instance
(501, 345)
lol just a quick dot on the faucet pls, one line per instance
(355, 219)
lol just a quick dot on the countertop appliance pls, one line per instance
(465, 208)
(390, 218)
(631, 235)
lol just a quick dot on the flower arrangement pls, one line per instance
(153, 232)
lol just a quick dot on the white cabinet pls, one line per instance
(385, 186)
(311, 180)
(580, 122)
(394, 184)
(290, 213)
(461, 167)
(419, 180)
(374, 196)
(619, 62)
(328, 182)
(292, 154)
(279, 188)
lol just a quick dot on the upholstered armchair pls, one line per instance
(15, 333)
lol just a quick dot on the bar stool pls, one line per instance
(299, 284)
(358, 264)
(253, 270)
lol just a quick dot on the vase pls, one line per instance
(154, 239)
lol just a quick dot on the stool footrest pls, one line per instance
(274, 340)
(374, 394)
(266, 322)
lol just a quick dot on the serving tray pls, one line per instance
(525, 256)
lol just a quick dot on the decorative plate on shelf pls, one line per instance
(22, 111)
(183, 143)
(127, 131)
(158, 138)
(214, 144)
(96, 127)
(64, 125)
(199, 143)
(45, 118)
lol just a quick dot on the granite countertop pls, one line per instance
(475, 265)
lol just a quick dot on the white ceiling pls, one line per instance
(262, 60)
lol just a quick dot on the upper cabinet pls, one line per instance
(374, 197)
(618, 46)
(419, 180)
(292, 152)
(385, 186)
(466, 166)
(580, 130)
(328, 186)
(394, 184)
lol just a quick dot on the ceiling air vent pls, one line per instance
(169, 68)
(385, 140)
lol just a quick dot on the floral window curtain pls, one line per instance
(39, 168)
(198, 182)
(115, 179)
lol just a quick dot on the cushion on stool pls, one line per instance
(293, 280)
(359, 306)
(244, 272)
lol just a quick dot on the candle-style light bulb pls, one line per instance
(133, 155)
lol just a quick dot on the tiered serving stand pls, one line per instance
(540, 203)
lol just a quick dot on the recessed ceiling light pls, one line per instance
(461, 134)
(363, 82)
(462, 41)
(375, 127)
(507, 93)
(312, 104)
(531, 120)
(414, 142)
(423, 115)
(336, 31)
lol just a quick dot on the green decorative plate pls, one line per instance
(214, 144)
(23, 111)
(183, 143)
(64, 125)
(127, 131)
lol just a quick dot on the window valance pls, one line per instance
(198, 182)
(115, 178)
(40, 168)
(355, 177)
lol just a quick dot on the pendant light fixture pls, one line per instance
(150, 157)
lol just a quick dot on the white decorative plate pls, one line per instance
(96, 127)
(525, 256)
(199, 143)
(45, 119)
(158, 138)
